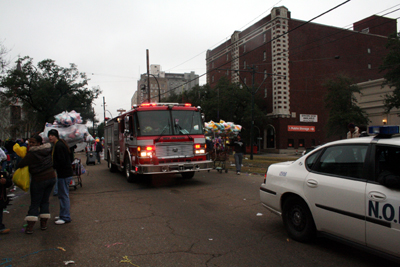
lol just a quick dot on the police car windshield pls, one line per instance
(158, 123)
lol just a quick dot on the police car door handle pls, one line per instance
(376, 196)
(312, 183)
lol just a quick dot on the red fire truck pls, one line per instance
(157, 138)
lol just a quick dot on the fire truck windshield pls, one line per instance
(167, 122)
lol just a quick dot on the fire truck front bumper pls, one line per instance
(174, 167)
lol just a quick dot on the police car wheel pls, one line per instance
(298, 220)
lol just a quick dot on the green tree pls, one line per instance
(342, 105)
(49, 89)
(391, 64)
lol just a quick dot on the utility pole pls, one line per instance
(253, 72)
(148, 76)
(104, 110)
(253, 91)
(94, 134)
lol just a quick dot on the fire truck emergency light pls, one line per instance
(200, 148)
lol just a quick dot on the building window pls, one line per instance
(369, 66)
(265, 93)
(244, 48)
(244, 64)
(212, 78)
(227, 73)
(290, 143)
(265, 55)
(245, 80)
(227, 57)
(265, 37)
(301, 142)
(265, 74)
(369, 51)
(366, 30)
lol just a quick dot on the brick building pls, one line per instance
(295, 58)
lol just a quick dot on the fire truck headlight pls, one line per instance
(147, 151)
(200, 151)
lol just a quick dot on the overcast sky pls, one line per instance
(108, 39)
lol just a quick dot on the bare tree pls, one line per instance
(3, 61)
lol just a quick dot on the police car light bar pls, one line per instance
(384, 130)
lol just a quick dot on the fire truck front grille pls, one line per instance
(174, 150)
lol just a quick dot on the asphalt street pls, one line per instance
(214, 219)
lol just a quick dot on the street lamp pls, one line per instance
(110, 113)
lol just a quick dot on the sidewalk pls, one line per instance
(260, 162)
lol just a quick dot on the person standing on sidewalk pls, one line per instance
(5, 182)
(43, 178)
(353, 132)
(62, 163)
(240, 150)
(99, 149)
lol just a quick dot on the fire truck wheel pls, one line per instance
(187, 175)
(112, 167)
(129, 176)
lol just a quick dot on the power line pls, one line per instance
(293, 48)
(221, 41)
(352, 33)
(291, 30)
(340, 31)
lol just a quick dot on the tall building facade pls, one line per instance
(162, 84)
(290, 60)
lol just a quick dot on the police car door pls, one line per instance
(383, 201)
(335, 189)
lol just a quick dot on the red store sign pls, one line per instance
(299, 128)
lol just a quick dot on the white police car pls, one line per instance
(348, 189)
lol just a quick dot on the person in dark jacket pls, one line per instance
(99, 149)
(43, 178)
(5, 182)
(240, 150)
(62, 162)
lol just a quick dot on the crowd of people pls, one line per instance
(49, 164)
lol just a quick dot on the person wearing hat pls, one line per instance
(40, 164)
(62, 163)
